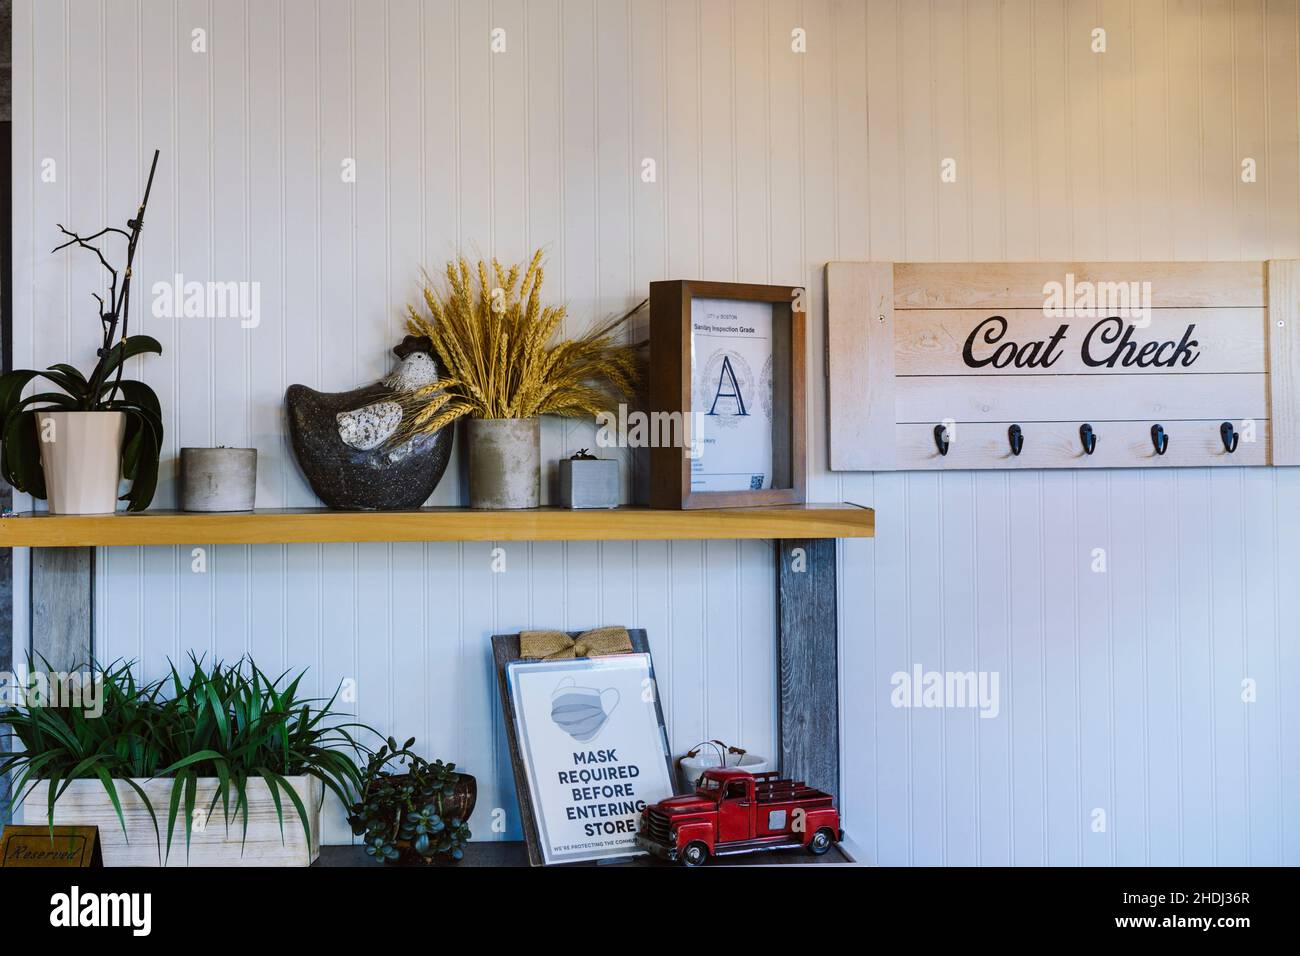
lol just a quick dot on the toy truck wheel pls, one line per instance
(694, 854)
(821, 841)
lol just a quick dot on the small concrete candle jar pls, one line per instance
(218, 479)
(588, 482)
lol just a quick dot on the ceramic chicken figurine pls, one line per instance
(341, 439)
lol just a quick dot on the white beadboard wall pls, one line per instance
(1121, 691)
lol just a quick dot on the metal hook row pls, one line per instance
(1088, 438)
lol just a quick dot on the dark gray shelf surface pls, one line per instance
(514, 853)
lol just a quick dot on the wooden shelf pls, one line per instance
(319, 525)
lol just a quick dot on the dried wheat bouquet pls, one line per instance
(494, 343)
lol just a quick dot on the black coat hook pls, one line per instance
(1159, 440)
(1016, 439)
(941, 438)
(1230, 437)
(1089, 439)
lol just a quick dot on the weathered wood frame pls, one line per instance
(894, 331)
(670, 390)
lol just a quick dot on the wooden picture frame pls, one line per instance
(671, 368)
(505, 650)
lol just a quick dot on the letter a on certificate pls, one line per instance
(727, 380)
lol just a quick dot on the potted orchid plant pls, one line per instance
(73, 446)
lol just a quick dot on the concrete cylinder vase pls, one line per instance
(218, 479)
(81, 454)
(505, 463)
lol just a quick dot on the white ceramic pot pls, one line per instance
(690, 768)
(81, 453)
(505, 462)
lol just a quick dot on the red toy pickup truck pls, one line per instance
(733, 811)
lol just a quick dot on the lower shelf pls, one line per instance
(515, 853)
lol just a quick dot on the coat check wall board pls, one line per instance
(1063, 364)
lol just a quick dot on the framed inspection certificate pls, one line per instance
(727, 360)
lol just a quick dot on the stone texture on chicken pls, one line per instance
(369, 427)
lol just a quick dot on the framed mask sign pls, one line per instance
(727, 394)
(587, 742)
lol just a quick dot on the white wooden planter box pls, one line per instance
(85, 803)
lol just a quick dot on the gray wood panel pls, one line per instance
(62, 628)
(6, 643)
(62, 598)
(806, 629)
(6, 637)
(6, 56)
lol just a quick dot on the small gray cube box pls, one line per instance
(588, 483)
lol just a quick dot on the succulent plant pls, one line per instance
(410, 813)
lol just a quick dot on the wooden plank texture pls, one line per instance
(1149, 396)
(1284, 358)
(86, 803)
(860, 363)
(291, 525)
(1019, 285)
(62, 582)
(930, 341)
(806, 621)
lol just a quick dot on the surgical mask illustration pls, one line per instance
(581, 712)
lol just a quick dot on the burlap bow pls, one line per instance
(559, 646)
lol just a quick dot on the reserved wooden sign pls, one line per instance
(33, 846)
(1063, 365)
